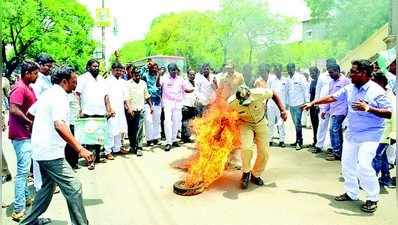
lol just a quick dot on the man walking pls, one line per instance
(368, 105)
(173, 89)
(49, 137)
(137, 95)
(22, 97)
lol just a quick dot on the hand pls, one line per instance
(87, 155)
(130, 112)
(393, 141)
(28, 126)
(360, 106)
(81, 113)
(151, 110)
(110, 114)
(307, 106)
(323, 115)
(284, 115)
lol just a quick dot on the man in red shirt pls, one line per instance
(22, 98)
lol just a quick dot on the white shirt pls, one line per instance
(322, 84)
(41, 84)
(92, 94)
(52, 106)
(116, 91)
(190, 99)
(204, 88)
(298, 92)
(137, 93)
(279, 86)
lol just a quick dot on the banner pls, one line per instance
(103, 17)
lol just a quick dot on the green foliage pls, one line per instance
(61, 28)
(350, 21)
(303, 54)
(132, 50)
(237, 32)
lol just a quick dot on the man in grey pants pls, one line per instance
(49, 136)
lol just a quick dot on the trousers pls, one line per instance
(172, 122)
(274, 119)
(152, 122)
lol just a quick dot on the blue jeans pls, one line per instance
(380, 162)
(58, 172)
(23, 152)
(336, 134)
(296, 113)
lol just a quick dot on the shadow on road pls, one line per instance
(352, 206)
(230, 184)
(92, 201)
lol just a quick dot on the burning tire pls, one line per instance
(180, 188)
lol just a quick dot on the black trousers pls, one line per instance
(135, 131)
(314, 115)
(188, 113)
(71, 156)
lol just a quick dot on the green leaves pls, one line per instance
(61, 28)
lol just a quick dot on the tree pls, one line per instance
(351, 21)
(61, 28)
(133, 50)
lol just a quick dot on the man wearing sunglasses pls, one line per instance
(368, 106)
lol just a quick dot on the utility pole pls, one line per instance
(391, 39)
(103, 34)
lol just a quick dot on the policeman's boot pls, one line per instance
(257, 180)
(245, 180)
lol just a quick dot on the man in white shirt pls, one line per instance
(117, 124)
(205, 87)
(322, 90)
(189, 109)
(298, 94)
(137, 95)
(43, 81)
(279, 86)
(92, 98)
(50, 134)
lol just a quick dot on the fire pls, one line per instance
(217, 134)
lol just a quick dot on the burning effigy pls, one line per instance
(217, 135)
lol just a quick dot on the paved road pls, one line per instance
(299, 190)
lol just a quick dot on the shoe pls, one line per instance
(149, 143)
(394, 182)
(329, 151)
(343, 198)
(91, 166)
(369, 206)
(56, 190)
(155, 142)
(43, 221)
(139, 152)
(282, 144)
(385, 181)
(167, 148)
(245, 180)
(176, 144)
(271, 144)
(298, 147)
(17, 216)
(316, 150)
(257, 180)
(109, 156)
(29, 202)
(332, 157)
(6, 178)
(124, 152)
(187, 140)
(391, 166)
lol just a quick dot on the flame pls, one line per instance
(217, 134)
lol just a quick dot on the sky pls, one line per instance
(133, 17)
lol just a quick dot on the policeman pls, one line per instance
(250, 104)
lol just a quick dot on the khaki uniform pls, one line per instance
(230, 83)
(255, 128)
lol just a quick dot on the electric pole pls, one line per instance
(103, 34)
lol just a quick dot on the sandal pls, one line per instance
(344, 197)
(369, 206)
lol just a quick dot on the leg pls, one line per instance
(149, 123)
(185, 123)
(71, 188)
(314, 112)
(43, 197)
(157, 110)
(36, 175)
(176, 118)
(139, 137)
(168, 123)
(23, 153)
(349, 167)
(260, 135)
(247, 135)
(378, 159)
(4, 167)
(117, 140)
(367, 175)
(322, 131)
(131, 131)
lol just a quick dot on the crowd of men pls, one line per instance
(143, 104)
